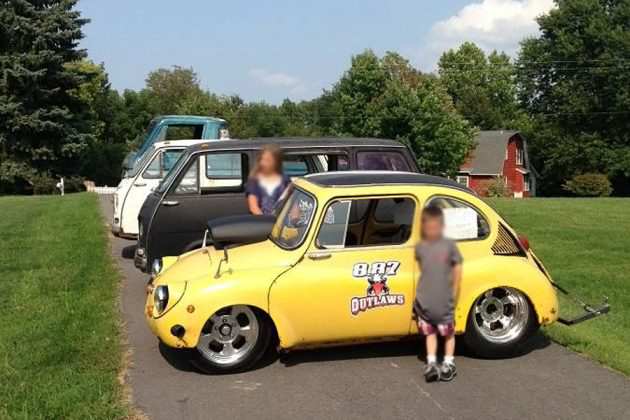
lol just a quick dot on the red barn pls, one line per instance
(499, 155)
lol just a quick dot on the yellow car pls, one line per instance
(337, 266)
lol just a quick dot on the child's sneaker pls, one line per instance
(447, 372)
(431, 372)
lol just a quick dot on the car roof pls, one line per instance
(198, 118)
(294, 142)
(375, 178)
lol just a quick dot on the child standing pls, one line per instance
(436, 293)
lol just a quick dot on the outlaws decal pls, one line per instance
(377, 294)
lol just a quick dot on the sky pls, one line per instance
(274, 49)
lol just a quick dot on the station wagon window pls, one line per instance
(461, 220)
(381, 161)
(366, 222)
(223, 171)
(294, 165)
(162, 164)
(189, 183)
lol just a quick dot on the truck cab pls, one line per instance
(173, 128)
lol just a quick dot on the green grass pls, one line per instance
(585, 244)
(60, 344)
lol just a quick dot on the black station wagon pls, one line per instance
(208, 181)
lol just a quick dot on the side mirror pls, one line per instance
(239, 230)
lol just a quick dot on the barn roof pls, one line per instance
(489, 154)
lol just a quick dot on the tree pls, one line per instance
(388, 98)
(483, 88)
(166, 89)
(573, 80)
(40, 132)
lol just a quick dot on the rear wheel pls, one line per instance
(233, 339)
(500, 321)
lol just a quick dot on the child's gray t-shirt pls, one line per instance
(434, 293)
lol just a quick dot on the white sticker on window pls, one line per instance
(460, 223)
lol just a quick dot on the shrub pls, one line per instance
(43, 184)
(495, 187)
(588, 185)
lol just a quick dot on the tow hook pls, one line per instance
(589, 311)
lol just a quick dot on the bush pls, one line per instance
(43, 184)
(495, 187)
(588, 185)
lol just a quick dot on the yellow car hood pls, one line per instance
(203, 264)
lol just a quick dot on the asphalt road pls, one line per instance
(364, 381)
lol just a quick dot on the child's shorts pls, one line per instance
(443, 329)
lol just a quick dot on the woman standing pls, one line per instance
(266, 183)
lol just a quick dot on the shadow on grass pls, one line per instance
(129, 252)
(179, 358)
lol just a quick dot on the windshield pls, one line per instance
(172, 173)
(293, 219)
(140, 163)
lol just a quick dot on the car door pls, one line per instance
(144, 182)
(210, 186)
(357, 278)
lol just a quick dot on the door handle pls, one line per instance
(170, 203)
(140, 184)
(316, 256)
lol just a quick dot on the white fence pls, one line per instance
(103, 190)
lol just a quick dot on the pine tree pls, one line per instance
(40, 135)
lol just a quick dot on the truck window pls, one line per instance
(162, 164)
(180, 132)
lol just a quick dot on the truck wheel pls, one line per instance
(500, 321)
(232, 340)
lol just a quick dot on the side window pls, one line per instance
(162, 164)
(461, 220)
(223, 170)
(367, 222)
(189, 183)
(381, 161)
(183, 132)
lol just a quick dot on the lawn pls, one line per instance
(60, 342)
(585, 244)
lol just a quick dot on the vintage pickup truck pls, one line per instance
(174, 127)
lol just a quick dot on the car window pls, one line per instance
(293, 219)
(172, 173)
(366, 222)
(461, 220)
(381, 161)
(223, 170)
(161, 164)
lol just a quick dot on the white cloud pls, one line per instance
(491, 24)
(279, 79)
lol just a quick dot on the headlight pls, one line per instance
(156, 267)
(160, 298)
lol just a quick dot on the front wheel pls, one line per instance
(233, 339)
(500, 321)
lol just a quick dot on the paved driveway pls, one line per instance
(361, 382)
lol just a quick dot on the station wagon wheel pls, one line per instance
(232, 339)
(500, 320)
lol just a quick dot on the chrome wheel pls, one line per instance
(501, 315)
(229, 335)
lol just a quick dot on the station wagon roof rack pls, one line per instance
(364, 178)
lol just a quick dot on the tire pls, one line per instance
(232, 340)
(499, 322)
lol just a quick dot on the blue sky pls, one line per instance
(269, 50)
